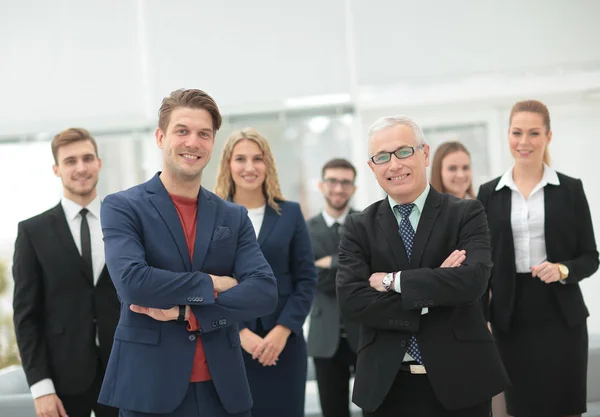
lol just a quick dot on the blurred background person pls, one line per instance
(275, 349)
(65, 305)
(543, 246)
(332, 342)
(451, 170)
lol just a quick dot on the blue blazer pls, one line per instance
(148, 260)
(285, 243)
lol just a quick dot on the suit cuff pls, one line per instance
(397, 287)
(41, 388)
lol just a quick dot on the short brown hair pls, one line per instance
(533, 106)
(71, 135)
(441, 152)
(338, 163)
(193, 99)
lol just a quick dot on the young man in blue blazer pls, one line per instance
(187, 267)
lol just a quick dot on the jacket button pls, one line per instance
(416, 304)
(190, 299)
(391, 322)
(192, 337)
(407, 323)
(403, 344)
(430, 302)
(200, 299)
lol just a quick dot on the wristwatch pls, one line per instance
(388, 279)
(181, 316)
(563, 271)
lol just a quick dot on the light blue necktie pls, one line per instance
(407, 233)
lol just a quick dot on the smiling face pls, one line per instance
(402, 179)
(187, 143)
(78, 167)
(456, 173)
(337, 187)
(248, 167)
(528, 138)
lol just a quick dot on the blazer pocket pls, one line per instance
(221, 233)
(365, 339)
(137, 335)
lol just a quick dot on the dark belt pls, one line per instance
(413, 368)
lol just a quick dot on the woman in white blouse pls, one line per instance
(274, 349)
(543, 245)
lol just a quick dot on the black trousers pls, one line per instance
(333, 378)
(81, 405)
(411, 395)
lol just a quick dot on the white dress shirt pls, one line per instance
(72, 209)
(527, 218)
(257, 215)
(330, 220)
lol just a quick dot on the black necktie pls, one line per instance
(336, 228)
(86, 242)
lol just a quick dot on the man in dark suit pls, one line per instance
(412, 269)
(331, 341)
(187, 267)
(65, 305)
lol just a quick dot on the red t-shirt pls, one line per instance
(187, 209)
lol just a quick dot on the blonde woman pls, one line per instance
(543, 246)
(274, 345)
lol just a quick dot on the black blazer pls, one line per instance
(56, 304)
(569, 240)
(324, 331)
(463, 364)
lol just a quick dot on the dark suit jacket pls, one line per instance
(56, 305)
(462, 362)
(148, 258)
(285, 243)
(324, 331)
(569, 240)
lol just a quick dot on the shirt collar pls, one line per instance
(548, 177)
(330, 220)
(419, 201)
(72, 209)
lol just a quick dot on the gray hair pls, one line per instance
(391, 121)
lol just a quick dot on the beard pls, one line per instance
(342, 206)
(82, 192)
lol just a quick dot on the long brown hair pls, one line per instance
(225, 187)
(441, 152)
(533, 106)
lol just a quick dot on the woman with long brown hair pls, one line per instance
(543, 246)
(274, 347)
(451, 170)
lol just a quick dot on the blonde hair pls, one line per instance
(533, 106)
(225, 187)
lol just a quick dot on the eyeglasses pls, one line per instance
(332, 182)
(402, 152)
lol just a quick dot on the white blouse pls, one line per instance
(256, 216)
(527, 217)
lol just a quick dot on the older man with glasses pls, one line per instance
(412, 269)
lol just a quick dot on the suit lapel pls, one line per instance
(268, 223)
(65, 237)
(431, 210)
(552, 215)
(389, 226)
(205, 223)
(162, 202)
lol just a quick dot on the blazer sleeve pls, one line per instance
(304, 276)
(454, 286)
(486, 298)
(586, 263)
(139, 283)
(359, 302)
(27, 307)
(326, 276)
